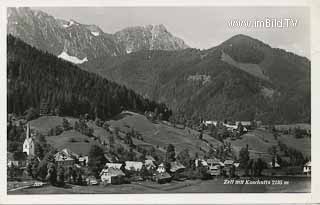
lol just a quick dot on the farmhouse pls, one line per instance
(214, 166)
(161, 168)
(163, 177)
(176, 167)
(114, 165)
(307, 168)
(17, 160)
(149, 164)
(133, 165)
(112, 176)
(65, 158)
(83, 160)
(200, 162)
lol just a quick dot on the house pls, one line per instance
(176, 167)
(161, 168)
(209, 122)
(214, 166)
(110, 157)
(201, 162)
(149, 164)
(149, 157)
(133, 165)
(65, 158)
(113, 165)
(307, 168)
(230, 127)
(83, 160)
(273, 164)
(163, 177)
(91, 180)
(16, 159)
(229, 168)
(28, 144)
(112, 175)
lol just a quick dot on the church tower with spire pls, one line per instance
(28, 145)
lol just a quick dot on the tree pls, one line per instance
(96, 160)
(184, 157)
(65, 124)
(60, 176)
(31, 114)
(51, 174)
(244, 158)
(170, 154)
(240, 128)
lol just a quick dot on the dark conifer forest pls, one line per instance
(34, 76)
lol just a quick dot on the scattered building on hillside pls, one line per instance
(112, 176)
(133, 165)
(149, 164)
(29, 144)
(307, 168)
(65, 158)
(230, 127)
(110, 158)
(113, 165)
(83, 160)
(273, 164)
(17, 160)
(176, 167)
(161, 168)
(200, 162)
(92, 180)
(214, 166)
(210, 122)
(163, 177)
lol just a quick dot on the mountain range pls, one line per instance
(242, 78)
(79, 43)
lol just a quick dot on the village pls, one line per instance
(63, 167)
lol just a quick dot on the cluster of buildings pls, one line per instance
(114, 172)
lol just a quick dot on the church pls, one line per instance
(28, 145)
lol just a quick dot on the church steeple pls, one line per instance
(28, 133)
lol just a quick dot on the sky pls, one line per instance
(202, 27)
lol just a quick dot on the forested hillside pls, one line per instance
(261, 82)
(35, 76)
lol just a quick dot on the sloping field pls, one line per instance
(73, 140)
(259, 141)
(253, 69)
(161, 134)
(43, 124)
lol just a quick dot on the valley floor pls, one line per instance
(296, 185)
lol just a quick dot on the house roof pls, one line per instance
(149, 157)
(65, 155)
(213, 161)
(308, 164)
(175, 166)
(163, 175)
(114, 165)
(275, 164)
(136, 165)
(148, 162)
(112, 171)
(228, 162)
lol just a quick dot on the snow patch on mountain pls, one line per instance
(73, 59)
(95, 33)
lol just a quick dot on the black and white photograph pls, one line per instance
(158, 100)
